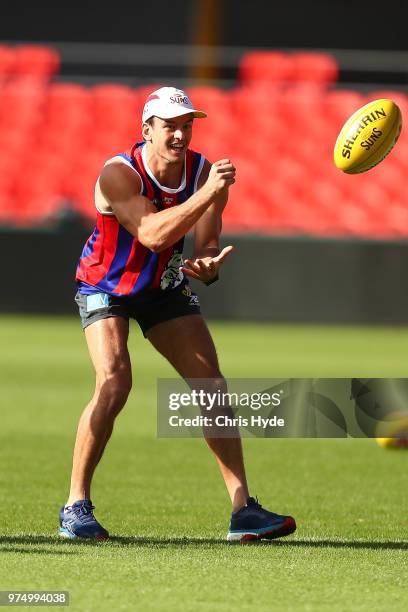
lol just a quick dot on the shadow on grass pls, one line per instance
(163, 542)
(34, 551)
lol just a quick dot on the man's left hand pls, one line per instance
(205, 269)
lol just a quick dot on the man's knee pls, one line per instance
(215, 390)
(112, 388)
(217, 384)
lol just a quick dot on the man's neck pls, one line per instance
(168, 174)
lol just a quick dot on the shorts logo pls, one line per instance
(96, 301)
(194, 301)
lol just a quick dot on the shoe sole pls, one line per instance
(288, 527)
(68, 535)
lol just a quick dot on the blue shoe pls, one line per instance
(78, 521)
(252, 522)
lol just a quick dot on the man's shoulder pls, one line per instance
(118, 181)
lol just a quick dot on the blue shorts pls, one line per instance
(148, 310)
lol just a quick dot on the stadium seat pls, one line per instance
(36, 60)
(67, 104)
(277, 67)
(245, 210)
(107, 144)
(38, 193)
(374, 203)
(81, 192)
(7, 60)
(255, 111)
(390, 177)
(400, 98)
(215, 143)
(114, 107)
(8, 212)
(212, 100)
(281, 206)
(325, 201)
(318, 68)
(288, 169)
(341, 103)
(44, 208)
(21, 98)
(398, 218)
(14, 143)
(266, 66)
(9, 175)
(300, 101)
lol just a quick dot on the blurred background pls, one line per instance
(277, 80)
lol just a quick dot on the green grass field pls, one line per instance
(164, 500)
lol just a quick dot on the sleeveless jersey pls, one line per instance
(113, 261)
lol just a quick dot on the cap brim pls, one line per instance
(184, 111)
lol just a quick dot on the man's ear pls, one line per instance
(146, 132)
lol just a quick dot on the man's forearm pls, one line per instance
(164, 228)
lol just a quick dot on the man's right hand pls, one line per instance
(221, 176)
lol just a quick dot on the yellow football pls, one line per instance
(368, 136)
(392, 432)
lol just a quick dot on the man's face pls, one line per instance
(170, 138)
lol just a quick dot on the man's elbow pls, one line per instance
(151, 241)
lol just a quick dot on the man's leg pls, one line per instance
(187, 345)
(107, 344)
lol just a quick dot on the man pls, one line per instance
(132, 268)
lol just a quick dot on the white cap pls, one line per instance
(168, 102)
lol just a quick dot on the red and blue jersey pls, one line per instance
(113, 261)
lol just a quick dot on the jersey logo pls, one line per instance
(172, 276)
(168, 201)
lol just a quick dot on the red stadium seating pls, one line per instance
(277, 67)
(315, 68)
(266, 66)
(211, 99)
(115, 108)
(68, 103)
(21, 100)
(38, 196)
(399, 98)
(340, 104)
(37, 60)
(7, 60)
(279, 128)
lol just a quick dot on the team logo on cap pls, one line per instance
(179, 99)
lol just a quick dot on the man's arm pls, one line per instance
(207, 258)
(120, 186)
